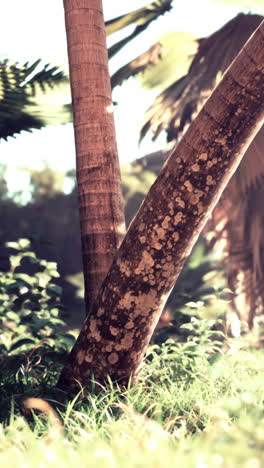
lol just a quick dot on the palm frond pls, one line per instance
(20, 90)
(175, 106)
(47, 78)
(140, 18)
(236, 227)
(178, 51)
(162, 63)
(237, 224)
(138, 65)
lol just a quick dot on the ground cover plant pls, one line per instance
(187, 408)
(198, 402)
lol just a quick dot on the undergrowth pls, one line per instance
(198, 403)
(211, 416)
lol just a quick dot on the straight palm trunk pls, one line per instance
(98, 176)
(115, 335)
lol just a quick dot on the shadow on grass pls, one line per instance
(30, 375)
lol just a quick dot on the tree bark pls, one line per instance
(98, 175)
(115, 336)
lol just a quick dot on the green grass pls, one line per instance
(191, 408)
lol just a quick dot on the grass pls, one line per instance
(192, 408)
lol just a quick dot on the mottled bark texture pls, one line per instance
(115, 336)
(98, 174)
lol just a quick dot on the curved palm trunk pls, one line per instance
(98, 175)
(115, 335)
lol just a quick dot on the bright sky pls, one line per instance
(36, 30)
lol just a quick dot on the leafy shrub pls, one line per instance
(200, 292)
(30, 304)
(185, 362)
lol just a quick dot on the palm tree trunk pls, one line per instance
(98, 176)
(115, 335)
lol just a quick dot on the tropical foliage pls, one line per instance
(140, 19)
(194, 405)
(21, 97)
(177, 105)
(237, 221)
(21, 108)
(30, 304)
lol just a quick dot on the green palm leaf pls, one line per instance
(237, 223)
(162, 63)
(140, 18)
(175, 106)
(138, 65)
(21, 97)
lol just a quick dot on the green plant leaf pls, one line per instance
(12, 316)
(12, 245)
(24, 243)
(26, 278)
(22, 105)
(55, 289)
(140, 18)
(21, 342)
